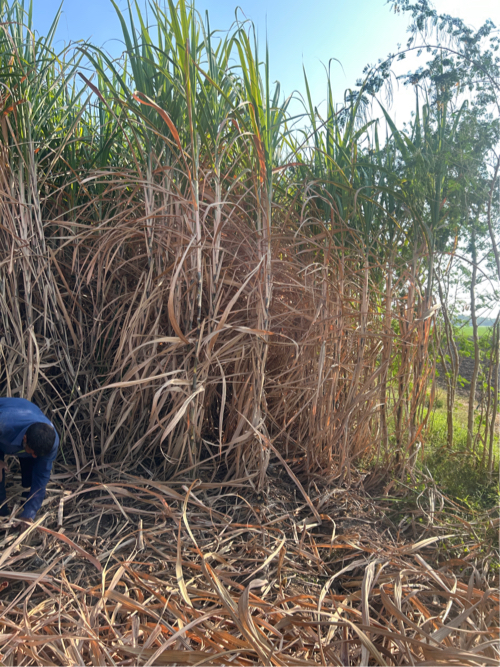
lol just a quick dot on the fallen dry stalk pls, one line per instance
(359, 596)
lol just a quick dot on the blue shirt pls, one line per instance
(16, 416)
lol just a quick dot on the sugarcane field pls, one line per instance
(249, 339)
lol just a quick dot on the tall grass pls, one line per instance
(187, 282)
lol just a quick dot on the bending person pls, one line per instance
(26, 432)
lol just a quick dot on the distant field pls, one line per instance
(482, 331)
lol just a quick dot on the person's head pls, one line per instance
(39, 439)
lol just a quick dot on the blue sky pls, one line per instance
(299, 32)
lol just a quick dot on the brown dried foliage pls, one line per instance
(103, 325)
(162, 573)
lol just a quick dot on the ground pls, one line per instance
(126, 570)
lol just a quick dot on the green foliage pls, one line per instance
(458, 473)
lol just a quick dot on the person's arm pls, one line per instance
(3, 496)
(40, 479)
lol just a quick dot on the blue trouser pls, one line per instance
(27, 464)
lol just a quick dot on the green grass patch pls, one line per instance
(459, 473)
(481, 331)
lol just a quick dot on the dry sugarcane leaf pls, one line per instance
(152, 659)
(365, 608)
(24, 534)
(367, 643)
(264, 651)
(326, 587)
(72, 544)
(412, 548)
(174, 657)
(443, 632)
(271, 557)
(178, 570)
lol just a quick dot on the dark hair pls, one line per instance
(40, 438)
